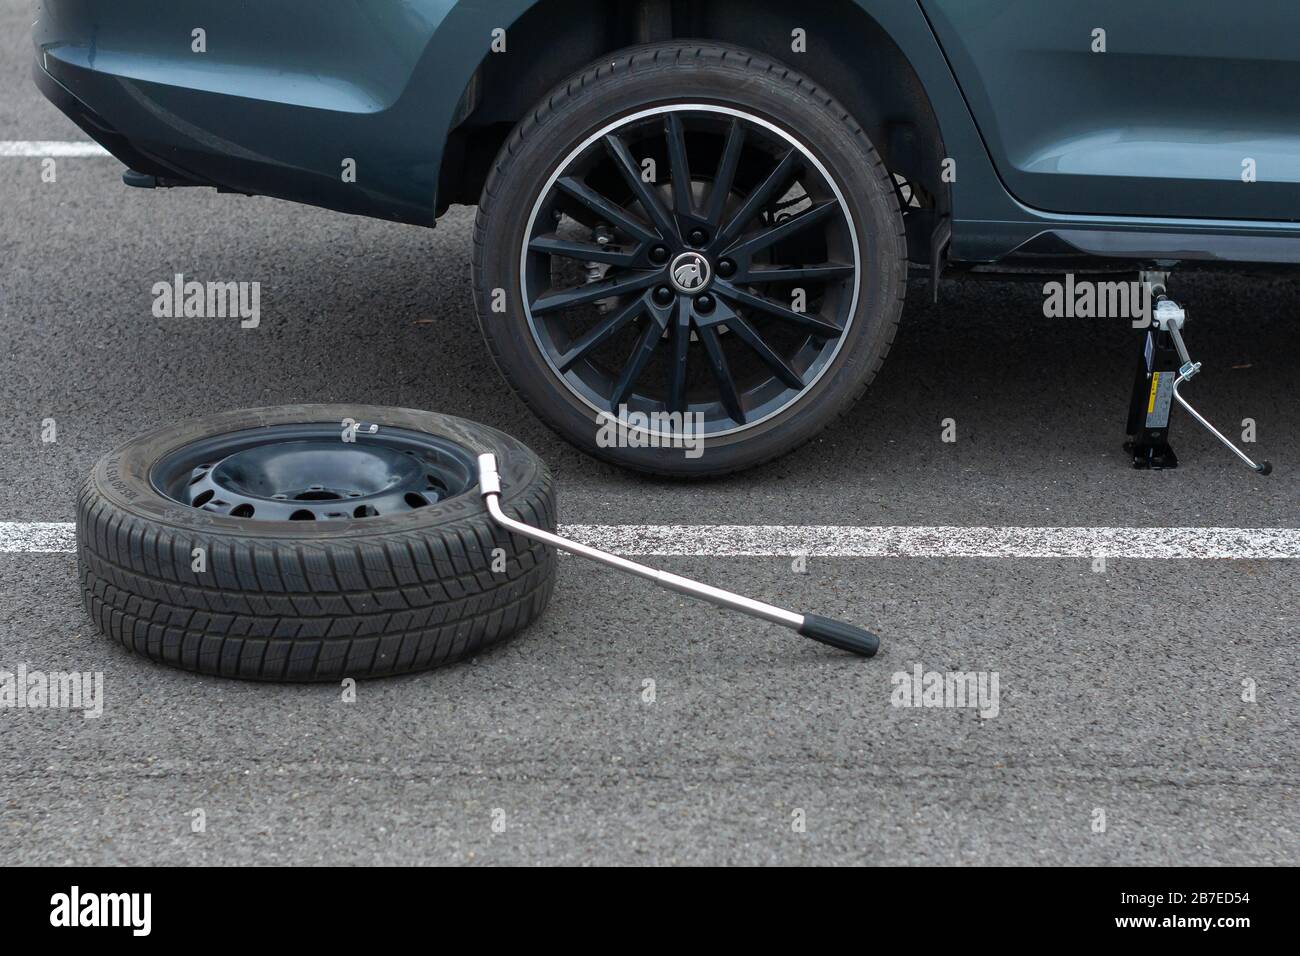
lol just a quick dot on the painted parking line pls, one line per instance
(912, 541)
(25, 148)
(847, 541)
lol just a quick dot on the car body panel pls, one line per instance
(383, 82)
(376, 81)
(1159, 124)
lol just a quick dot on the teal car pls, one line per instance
(696, 220)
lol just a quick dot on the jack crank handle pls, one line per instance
(846, 637)
(1170, 318)
(1264, 467)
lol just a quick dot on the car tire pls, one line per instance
(174, 575)
(531, 188)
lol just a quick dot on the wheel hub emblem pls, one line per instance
(690, 272)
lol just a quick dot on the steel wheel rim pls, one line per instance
(306, 472)
(740, 306)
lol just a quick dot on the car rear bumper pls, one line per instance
(134, 155)
(192, 137)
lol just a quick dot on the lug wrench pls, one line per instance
(846, 637)
(1170, 317)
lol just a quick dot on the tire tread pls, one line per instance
(286, 609)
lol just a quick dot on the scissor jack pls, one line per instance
(1163, 367)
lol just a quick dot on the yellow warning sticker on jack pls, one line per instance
(1160, 399)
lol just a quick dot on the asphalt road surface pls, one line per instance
(1120, 692)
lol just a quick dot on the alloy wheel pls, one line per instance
(690, 259)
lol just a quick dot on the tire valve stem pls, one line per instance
(846, 637)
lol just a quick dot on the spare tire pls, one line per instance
(296, 544)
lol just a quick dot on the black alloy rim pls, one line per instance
(690, 259)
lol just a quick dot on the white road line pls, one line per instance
(840, 541)
(42, 148)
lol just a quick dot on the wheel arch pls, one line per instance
(878, 58)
